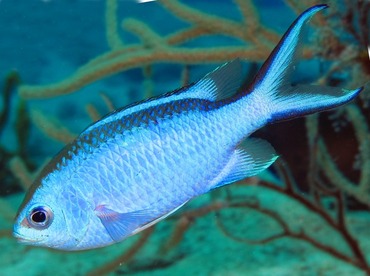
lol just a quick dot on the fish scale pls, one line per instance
(139, 164)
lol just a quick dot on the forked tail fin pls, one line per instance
(272, 83)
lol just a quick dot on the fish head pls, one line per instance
(48, 219)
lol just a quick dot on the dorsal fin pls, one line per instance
(218, 84)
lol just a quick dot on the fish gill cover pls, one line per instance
(318, 194)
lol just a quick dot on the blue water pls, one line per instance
(47, 41)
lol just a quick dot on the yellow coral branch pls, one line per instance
(148, 37)
(20, 171)
(205, 20)
(138, 59)
(93, 112)
(113, 39)
(51, 127)
(336, 177)
(108, 102)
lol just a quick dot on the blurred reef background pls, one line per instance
(64, 64)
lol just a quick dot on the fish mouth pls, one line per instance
(22, 239)
(36, 242)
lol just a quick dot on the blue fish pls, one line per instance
(141, 163)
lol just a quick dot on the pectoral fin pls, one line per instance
(250, 158)
(122, 225)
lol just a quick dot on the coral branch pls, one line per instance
(204, 20)
(93, 112)
(19, 169)
(137, 59)
(51, 127)
(158, 49)
(338, 224)
(255, 206)
(148, 37)
(108, 102)
(113, 38)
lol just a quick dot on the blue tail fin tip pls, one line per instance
(279, 64)
(314, 9)
(319, 6)
(355, 92)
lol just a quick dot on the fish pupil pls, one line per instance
(39, 217)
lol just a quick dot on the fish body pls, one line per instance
(141, 163)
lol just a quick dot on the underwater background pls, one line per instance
(65, 64)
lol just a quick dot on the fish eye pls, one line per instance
(40, 217)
